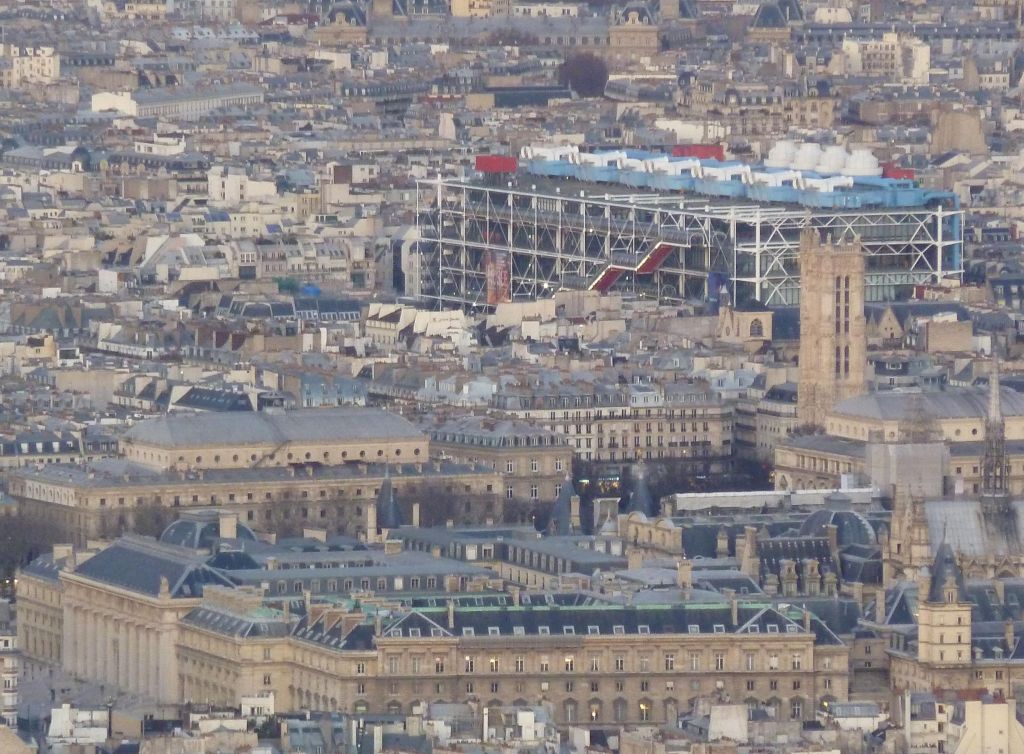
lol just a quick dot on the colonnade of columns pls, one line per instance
(109, 649)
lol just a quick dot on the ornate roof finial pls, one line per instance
(995, 466)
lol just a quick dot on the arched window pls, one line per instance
(756, 329)
(645, 707)
(796, 708)
(571, 715)
(619, 707)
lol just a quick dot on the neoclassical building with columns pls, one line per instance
(121, 615)
(177, 625)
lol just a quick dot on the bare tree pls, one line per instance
(584, 73)
(22, 539)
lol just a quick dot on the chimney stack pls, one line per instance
(833, 538)
(684, 574)
(228, 525)
(734, 606)
(371, 522)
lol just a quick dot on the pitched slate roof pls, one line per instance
(944, 569)
(329, 631)
(139, 564)
(640, 500)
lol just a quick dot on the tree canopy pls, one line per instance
(584, 73)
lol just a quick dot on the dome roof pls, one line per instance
(199, 535)
(853, 528)
(233, 560)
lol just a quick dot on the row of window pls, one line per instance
(510, 466)
(395, 583)
(625, 413)
(283, 495)
(473, 664)
(510, 491)
(570, 707)
(308, 456)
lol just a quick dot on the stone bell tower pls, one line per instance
(833, 344)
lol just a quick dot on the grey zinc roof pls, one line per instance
(257, 428)
(613, 619)
(45, 567)
(111, 472)
(963, 525)
(403, 565)
(262, 622)
(139, 564)
(486, 431)
(827, 444)
(963, 403)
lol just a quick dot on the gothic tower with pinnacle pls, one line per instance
(833, 344)
(995, 491)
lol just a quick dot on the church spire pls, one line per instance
(995, 409)
(995, 468)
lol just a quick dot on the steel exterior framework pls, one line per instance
(664, 246)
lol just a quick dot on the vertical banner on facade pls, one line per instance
(499, 284)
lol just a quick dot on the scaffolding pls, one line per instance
(484, 243)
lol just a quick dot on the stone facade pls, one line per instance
(10, 672)
(120, 637)
(533, 461)
(589, 677)
(197, 637)
(79, 504)
(833, 349)
(638, 422)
